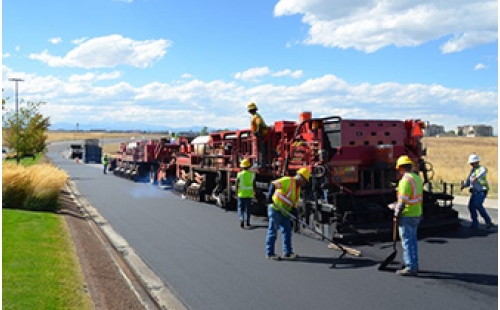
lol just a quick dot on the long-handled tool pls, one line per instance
(331, 244)
(391, 257)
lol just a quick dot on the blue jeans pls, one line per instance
(244, 204)
(408, 234)
(278, 220)
(476, 205)
(105, 169)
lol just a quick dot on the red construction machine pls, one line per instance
(153, 159)
(352, 163)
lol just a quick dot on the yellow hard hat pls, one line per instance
(305, 173)
(245, 163)
(403, 160)
(252, 106)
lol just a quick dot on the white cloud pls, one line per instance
(5, 55)
(186, 76)
(79, 41)
(55, 40)
(287, 72)
(253, 74)
(480, 66)
(107, 52)
(221, 104)
(18, 48)
(369, 25)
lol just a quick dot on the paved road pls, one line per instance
(200, 252)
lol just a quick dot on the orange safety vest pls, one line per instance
(259, 123)
(286, 195)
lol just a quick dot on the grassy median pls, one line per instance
(40, 269)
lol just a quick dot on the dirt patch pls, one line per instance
(109, 286)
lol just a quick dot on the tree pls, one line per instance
(204, 131)
(26, 135)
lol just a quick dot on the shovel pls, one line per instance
(391, 257)
(331, 244)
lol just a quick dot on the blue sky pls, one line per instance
(153, 64)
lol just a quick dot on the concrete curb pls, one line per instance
(156, 288)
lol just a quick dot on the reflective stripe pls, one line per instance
(245, 184)
(411, 195)
(285, 200)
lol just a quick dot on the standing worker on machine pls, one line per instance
(408, 213)
(259, 130)
(478, 186)
(282, 197)
(245, 187)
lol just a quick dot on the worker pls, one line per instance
(408, 213)
(478, 187)
(245, 187)
(282, 197)
(105, 163)
(259, 130)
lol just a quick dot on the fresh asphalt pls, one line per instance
(201, 254)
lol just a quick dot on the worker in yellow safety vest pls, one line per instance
(408, 213)
(478, 187)
(282, 197)
(245, 187)
(105, 163)
(259, 130)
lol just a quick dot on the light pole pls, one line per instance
(17, 118)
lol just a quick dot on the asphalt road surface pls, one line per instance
(203, 255)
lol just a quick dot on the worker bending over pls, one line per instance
(282, 197)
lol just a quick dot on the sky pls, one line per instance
(170, 64)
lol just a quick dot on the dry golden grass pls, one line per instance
(35, 187)
(15, 185)
(449, 155)
(64, 135)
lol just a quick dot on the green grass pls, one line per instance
(26, 161)
(40, 269)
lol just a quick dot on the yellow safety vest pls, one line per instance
(286, 195)
(245, 183)
(481, 178)
(410, 192)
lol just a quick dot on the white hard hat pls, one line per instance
(473, 158)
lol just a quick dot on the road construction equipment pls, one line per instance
(352, 178)
(331, 244)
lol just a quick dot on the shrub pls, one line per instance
(33, 188)
(15, 185)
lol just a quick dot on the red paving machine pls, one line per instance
(352, 163)
(153, 159)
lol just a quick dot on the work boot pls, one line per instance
(274, 257)
(248, 223)
(292, 256)
(242, 224)
(406, 272)
(490, 225)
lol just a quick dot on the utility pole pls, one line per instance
(17, 118)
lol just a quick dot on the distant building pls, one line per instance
(433, 130)
(475, 130)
